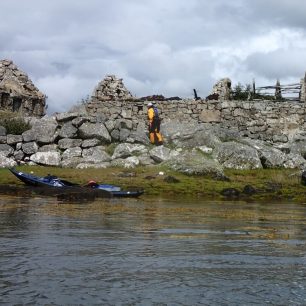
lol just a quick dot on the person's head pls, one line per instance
(150, 104)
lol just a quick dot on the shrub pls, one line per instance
(15, 126)
(241, 92)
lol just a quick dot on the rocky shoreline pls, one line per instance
(260, 185)
(80, 141)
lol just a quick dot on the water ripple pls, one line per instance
(140, 253)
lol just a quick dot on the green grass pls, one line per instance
(4, 114)
(110, 149)
(271, 184)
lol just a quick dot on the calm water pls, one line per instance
(151, 252)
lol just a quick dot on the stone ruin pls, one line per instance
(303, 89)
(111, 88)
(18, 93)
(221, 90)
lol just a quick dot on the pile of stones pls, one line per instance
(111, 88)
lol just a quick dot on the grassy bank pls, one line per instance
(269, 184)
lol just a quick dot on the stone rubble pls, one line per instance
(111, 88)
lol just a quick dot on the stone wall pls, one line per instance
(118, 135)
(303, 89)
(277, 122)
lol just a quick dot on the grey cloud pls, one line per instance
(167, 47)
(279, 12)
(279, 64)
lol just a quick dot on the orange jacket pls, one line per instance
(151, 114)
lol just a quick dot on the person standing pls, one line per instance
(154, 125)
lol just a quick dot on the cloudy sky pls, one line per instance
(163, 47)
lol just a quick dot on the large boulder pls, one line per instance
(18, 155)
(295, 161)
(189, 135)
(66, 116)
(236, 155)
(80, 120)
(30, 147)
(68, 130)
(298, 147)
(13, 139)
(160, 154)
(95, 155)
(270, 157)
(124, 150)
(110, 125)
(224, 134)
(145, 160)
(43, 131)
(94, 130)
(140, 135)
(67, 143)
(6, 162)
(274, 158)
(88, 143)
(196, 163)
(6, 150)
(46, 158)
(29, 135)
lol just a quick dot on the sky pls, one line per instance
(163, 47)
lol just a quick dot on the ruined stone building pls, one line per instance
(18, 93)
(111, 88)
(222, 89)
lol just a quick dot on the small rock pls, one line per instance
(249, 190)
(230, 193)
(171, 179)
(127, 174)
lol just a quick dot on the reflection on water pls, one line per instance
(151, 251)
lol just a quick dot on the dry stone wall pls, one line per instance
(117, 135)
(277, 122)
(303, 89)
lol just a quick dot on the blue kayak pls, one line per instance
(54, 181)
